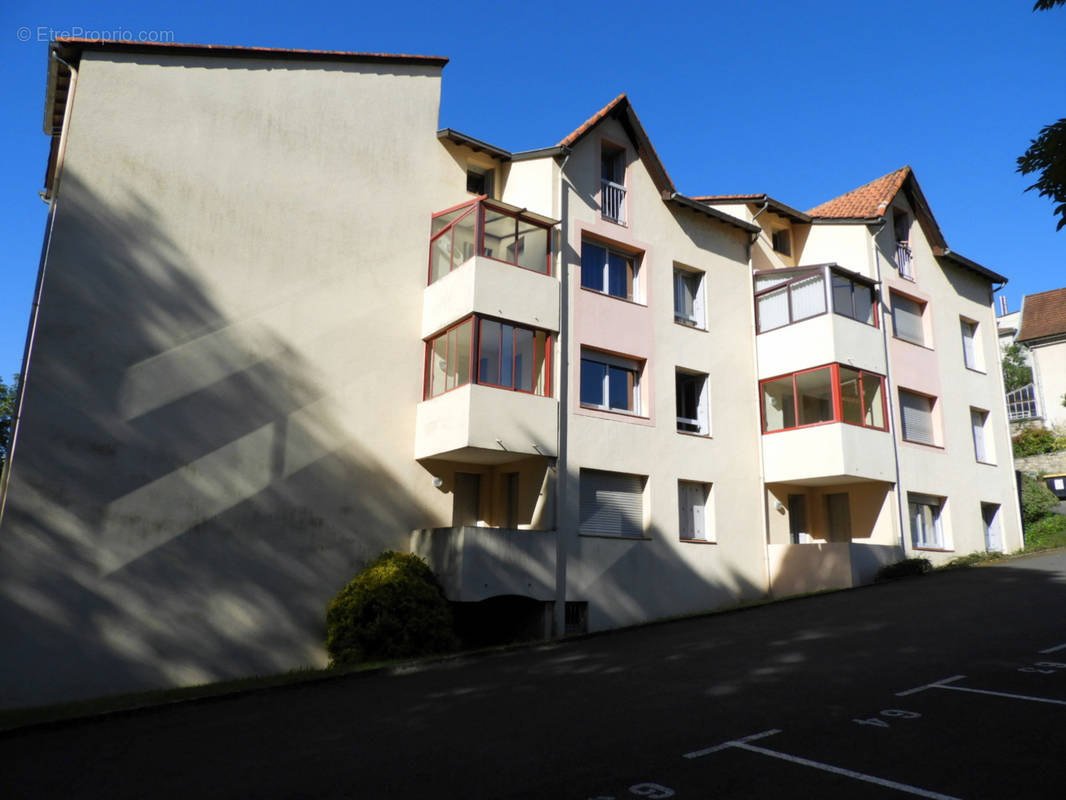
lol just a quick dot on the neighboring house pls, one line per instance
(1043, 332)
(285, 322)
(1022, 405)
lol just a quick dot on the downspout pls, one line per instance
(765, 499)
(46, 247)
(561, 460)
(889, 390)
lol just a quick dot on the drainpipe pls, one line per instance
(889, 389)
(763, 513)
(46, 247)
(562, 459)
(755, 236)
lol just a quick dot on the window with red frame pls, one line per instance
(489, 352)
(833, 393)
(485, 229)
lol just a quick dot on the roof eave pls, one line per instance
(702, 208)
(950, 255)
(477, 145)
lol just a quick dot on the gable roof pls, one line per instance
(869, 201)
(1043, 315)
(621, 109)
(775, 206)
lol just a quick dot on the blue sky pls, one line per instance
(803, 101)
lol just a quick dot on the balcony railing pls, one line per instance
(903, 260)
(491, 229)
(613, 202)
(1021, 403)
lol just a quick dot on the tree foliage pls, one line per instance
(1016, 373)
(7, 415)
(1046, 156)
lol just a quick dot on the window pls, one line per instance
(691, 390)
(612, 174)
(969, 344)
(609, 271)
(982, 447)
(782, 241)
(610, 382)
(916, 416)
(907, 319)
(492, 353)
(693, 506)
(688, 298)
(833, 393)
(493, 230)
(611, 503)
(901, 225)
(853, 299)
(926, 527)
(479, 181)
(787, 296)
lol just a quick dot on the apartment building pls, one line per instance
(1042, 329)
(285, 322)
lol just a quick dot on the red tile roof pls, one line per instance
(1043, 315)
(866, 202)
(591, 121)
(252, 52)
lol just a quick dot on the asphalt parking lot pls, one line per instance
(951, 685)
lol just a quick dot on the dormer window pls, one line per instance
(612, 181)
(782, 241)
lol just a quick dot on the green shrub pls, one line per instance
(392, 609)
(1037, 500)
(1047, 532)
(1033, 441)
(903, 569)
(969, 560)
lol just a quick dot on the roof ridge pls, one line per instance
(581, 129)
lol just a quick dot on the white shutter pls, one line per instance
(611, 503)
(692, 509)
(977, 422)
(969, 355)
(684, 511)
(773, 310)
(916, 413)
(698, 309)
(907, 319)
(808, 298)
(704, 407)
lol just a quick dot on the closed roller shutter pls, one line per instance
(916, 412)
(612, 503)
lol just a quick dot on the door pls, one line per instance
(797, 518)
(993, 531)
(466, 499)
(838, 515)
(511, 510)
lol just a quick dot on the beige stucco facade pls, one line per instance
(229, 405)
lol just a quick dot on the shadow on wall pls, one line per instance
(186, 496)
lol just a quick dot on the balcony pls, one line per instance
(486, 425)
(825, 454)
(816, 315)
(476, 563)
(613, 201)
(813, 567)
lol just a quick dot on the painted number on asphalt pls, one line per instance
(1044, 667)
(653, 790)
(894, 713)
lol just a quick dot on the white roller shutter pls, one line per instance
(907, 319)
(916, 413)
(611, 503)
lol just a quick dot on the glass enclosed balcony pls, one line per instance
(491, 229)
(787, 296)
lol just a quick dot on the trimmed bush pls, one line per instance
(1037, 500)
(903, 569)
(392, 609)
(1047, 532)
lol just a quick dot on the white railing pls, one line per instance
(903, 260)
(613, 203)
(1021, 403)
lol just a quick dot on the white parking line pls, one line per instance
(929, 686)
(859, 776)
(733, 743)
(947, 683)
(1053, 649)
(745, 744)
